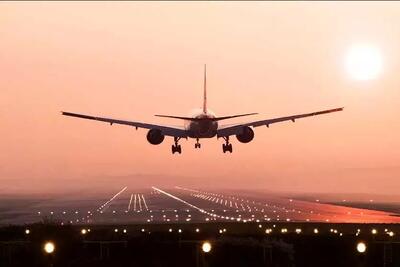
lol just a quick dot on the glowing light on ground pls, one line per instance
(130, 202)
(105, 205)
(206, 247)
(361, 247)
(49, 247)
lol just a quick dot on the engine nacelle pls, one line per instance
(155, 137)
(246, 136)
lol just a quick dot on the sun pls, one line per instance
(364, 62)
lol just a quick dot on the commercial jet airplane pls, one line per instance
(202, 125)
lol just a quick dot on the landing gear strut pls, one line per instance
(227, 146)
(197, 145)
(176, 148)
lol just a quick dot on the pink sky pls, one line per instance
(132, 60)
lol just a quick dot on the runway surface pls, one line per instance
(180, 205)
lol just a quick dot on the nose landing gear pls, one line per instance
(197, 144)
(176, 148)
(227, 146)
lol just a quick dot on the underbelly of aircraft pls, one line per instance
(202, 129)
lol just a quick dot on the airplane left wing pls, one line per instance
(238, 129)
(166, 130)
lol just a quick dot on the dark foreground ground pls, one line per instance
(180, 244)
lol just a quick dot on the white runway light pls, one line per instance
(361, 247)
(105, 205)
(206, 247)
(49, 247)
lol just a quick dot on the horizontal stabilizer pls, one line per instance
(234, 116)
(175, 117)
(205, 118)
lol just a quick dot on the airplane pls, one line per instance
(202, 125)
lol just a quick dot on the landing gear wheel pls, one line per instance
(227, 146)
(176, 147)
(230, 148)
(197, 144)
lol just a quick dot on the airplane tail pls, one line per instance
(205, 90)
(205, 107)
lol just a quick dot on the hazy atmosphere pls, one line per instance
(131, 60)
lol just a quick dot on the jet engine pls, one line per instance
(155, 137)
(246, 136)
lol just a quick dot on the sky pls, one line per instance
(132, 60)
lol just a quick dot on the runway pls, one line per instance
(182, 205)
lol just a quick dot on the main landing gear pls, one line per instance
(176, 148)
(197, 144)
(227, 146)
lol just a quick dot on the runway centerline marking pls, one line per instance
(140, 204)
(144, 201)
(130, 202)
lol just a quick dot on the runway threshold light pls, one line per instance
(361, 247)
(49, 247)
(83, 231)
(206, 247)
(27, 231)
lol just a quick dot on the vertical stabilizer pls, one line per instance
(205, 90)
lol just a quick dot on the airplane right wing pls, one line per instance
(238, 129)
(166, 130)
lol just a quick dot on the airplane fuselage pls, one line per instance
(203, 127)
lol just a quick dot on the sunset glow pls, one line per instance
(364, 62)
(131, 60)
